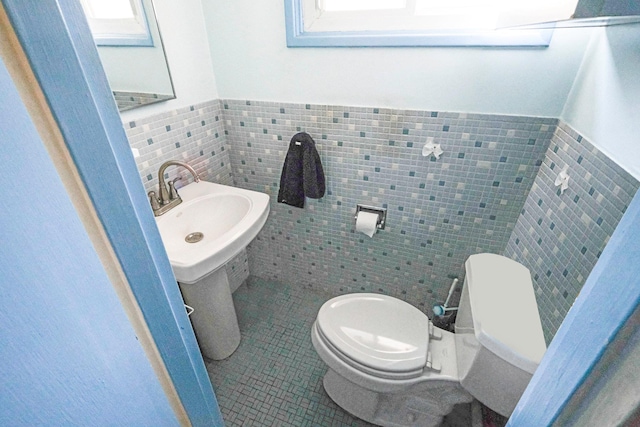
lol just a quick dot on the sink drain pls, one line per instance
(194, 237)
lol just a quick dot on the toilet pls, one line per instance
(388, 364)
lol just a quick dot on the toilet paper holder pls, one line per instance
(381, 212)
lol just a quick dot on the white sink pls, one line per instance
(223, 221)
(229, 219)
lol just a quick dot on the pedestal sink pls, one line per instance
(212, 224)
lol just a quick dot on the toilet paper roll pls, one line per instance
(367, 223)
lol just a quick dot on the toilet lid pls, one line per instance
(378, 331)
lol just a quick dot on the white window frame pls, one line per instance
(120, 32)
(297, 12)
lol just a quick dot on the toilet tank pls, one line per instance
(499, 339)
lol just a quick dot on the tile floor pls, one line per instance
(275, 377)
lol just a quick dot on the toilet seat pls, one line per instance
(377, 334)
(386, 375)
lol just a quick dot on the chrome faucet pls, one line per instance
(167, 199)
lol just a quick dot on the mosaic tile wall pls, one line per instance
(473, 199)
(559, 237)
(196, 136)
(439, 211)
(192, 134)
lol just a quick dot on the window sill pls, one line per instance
(298, 37)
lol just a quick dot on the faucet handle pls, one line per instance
(153, 199)
(173, 192)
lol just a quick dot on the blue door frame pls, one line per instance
(606, 301)
(63, 57)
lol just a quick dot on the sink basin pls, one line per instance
(218, 219)
(212, 224)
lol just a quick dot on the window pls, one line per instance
(117, 22)
(324, 23)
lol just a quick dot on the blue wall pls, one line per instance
(250, 61)
(604, 102)
(69, 354)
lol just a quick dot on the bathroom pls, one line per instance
(476, 191)
(252, 93)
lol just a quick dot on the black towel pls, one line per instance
(302, 173)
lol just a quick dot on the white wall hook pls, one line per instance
(431, 148)
(562, 180)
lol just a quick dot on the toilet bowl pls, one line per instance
(388, 364)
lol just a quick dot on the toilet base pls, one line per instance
(423, 405)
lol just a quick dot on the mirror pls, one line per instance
(130, 46)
